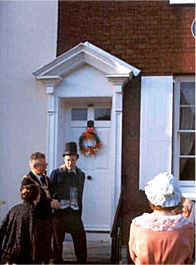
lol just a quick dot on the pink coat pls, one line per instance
(161, 240)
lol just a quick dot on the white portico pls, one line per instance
(85, 83)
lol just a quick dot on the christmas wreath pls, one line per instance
(89, 142)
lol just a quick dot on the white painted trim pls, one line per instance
(52, 121)
(176, 137)
(55, 77)
(190, 195)
(116, 119)
(182, 1)
(98, 124)
(122, 67)
(187, 187)
(116, 146)
(84, 53)
(155, 127)
(95, 228)
(115, 71)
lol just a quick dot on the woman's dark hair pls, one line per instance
(29, 192)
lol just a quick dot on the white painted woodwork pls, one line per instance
(97, 202)
(88, 75)
(155, 127)
(182, 1)
(188, 188)
(85, 53)
(87, 81)
(28, 32)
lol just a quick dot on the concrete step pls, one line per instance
(98, 251)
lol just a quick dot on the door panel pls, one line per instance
(97, 200)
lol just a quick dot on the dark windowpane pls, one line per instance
(187, 118)
(103, 114)
(187, 169)
(187, 93)
(79, 114)
(187, 143)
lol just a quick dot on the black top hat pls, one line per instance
(70, 149)
(90, 124)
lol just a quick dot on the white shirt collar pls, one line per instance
(37, 176)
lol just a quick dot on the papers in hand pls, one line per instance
(64, 204)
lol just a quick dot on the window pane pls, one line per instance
(79, 114)
(187, 93)
(187, 118)
(187, 143)
(103, 114)
(187, 169)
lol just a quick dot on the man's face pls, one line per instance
(70, 161)
(38, 166)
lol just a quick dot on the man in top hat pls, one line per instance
(67, 183)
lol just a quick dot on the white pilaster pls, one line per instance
(117, 100)
(117, 109)
(52, 112)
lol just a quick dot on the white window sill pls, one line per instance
(182, 2)
(188, 189)
(189, 195)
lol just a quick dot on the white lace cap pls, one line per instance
(163, 190)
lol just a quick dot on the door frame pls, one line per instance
(67, 123)
(116, 129)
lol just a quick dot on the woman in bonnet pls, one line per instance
(164, 236)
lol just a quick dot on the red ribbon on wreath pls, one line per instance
(89, 136)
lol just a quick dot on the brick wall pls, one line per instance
(134, 201)
(151, 35)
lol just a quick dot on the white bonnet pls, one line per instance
(163, 190)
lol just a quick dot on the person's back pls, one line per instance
(17, 229)
(164, 236)
(156, 239)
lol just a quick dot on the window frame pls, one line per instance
(187, 186)
(91, 114)
(174, 2)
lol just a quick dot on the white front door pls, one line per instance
(97, 198)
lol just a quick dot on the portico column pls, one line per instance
(50, 83)
(117, 108)
(52, 113)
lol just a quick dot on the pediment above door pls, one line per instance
(84, 53)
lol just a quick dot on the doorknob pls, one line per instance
(89, 178)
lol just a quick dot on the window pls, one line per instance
(79, 114)
(182, 1)
(102, 114)
(184, 131)
(193, 28)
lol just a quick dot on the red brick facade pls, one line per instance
(151, 35)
